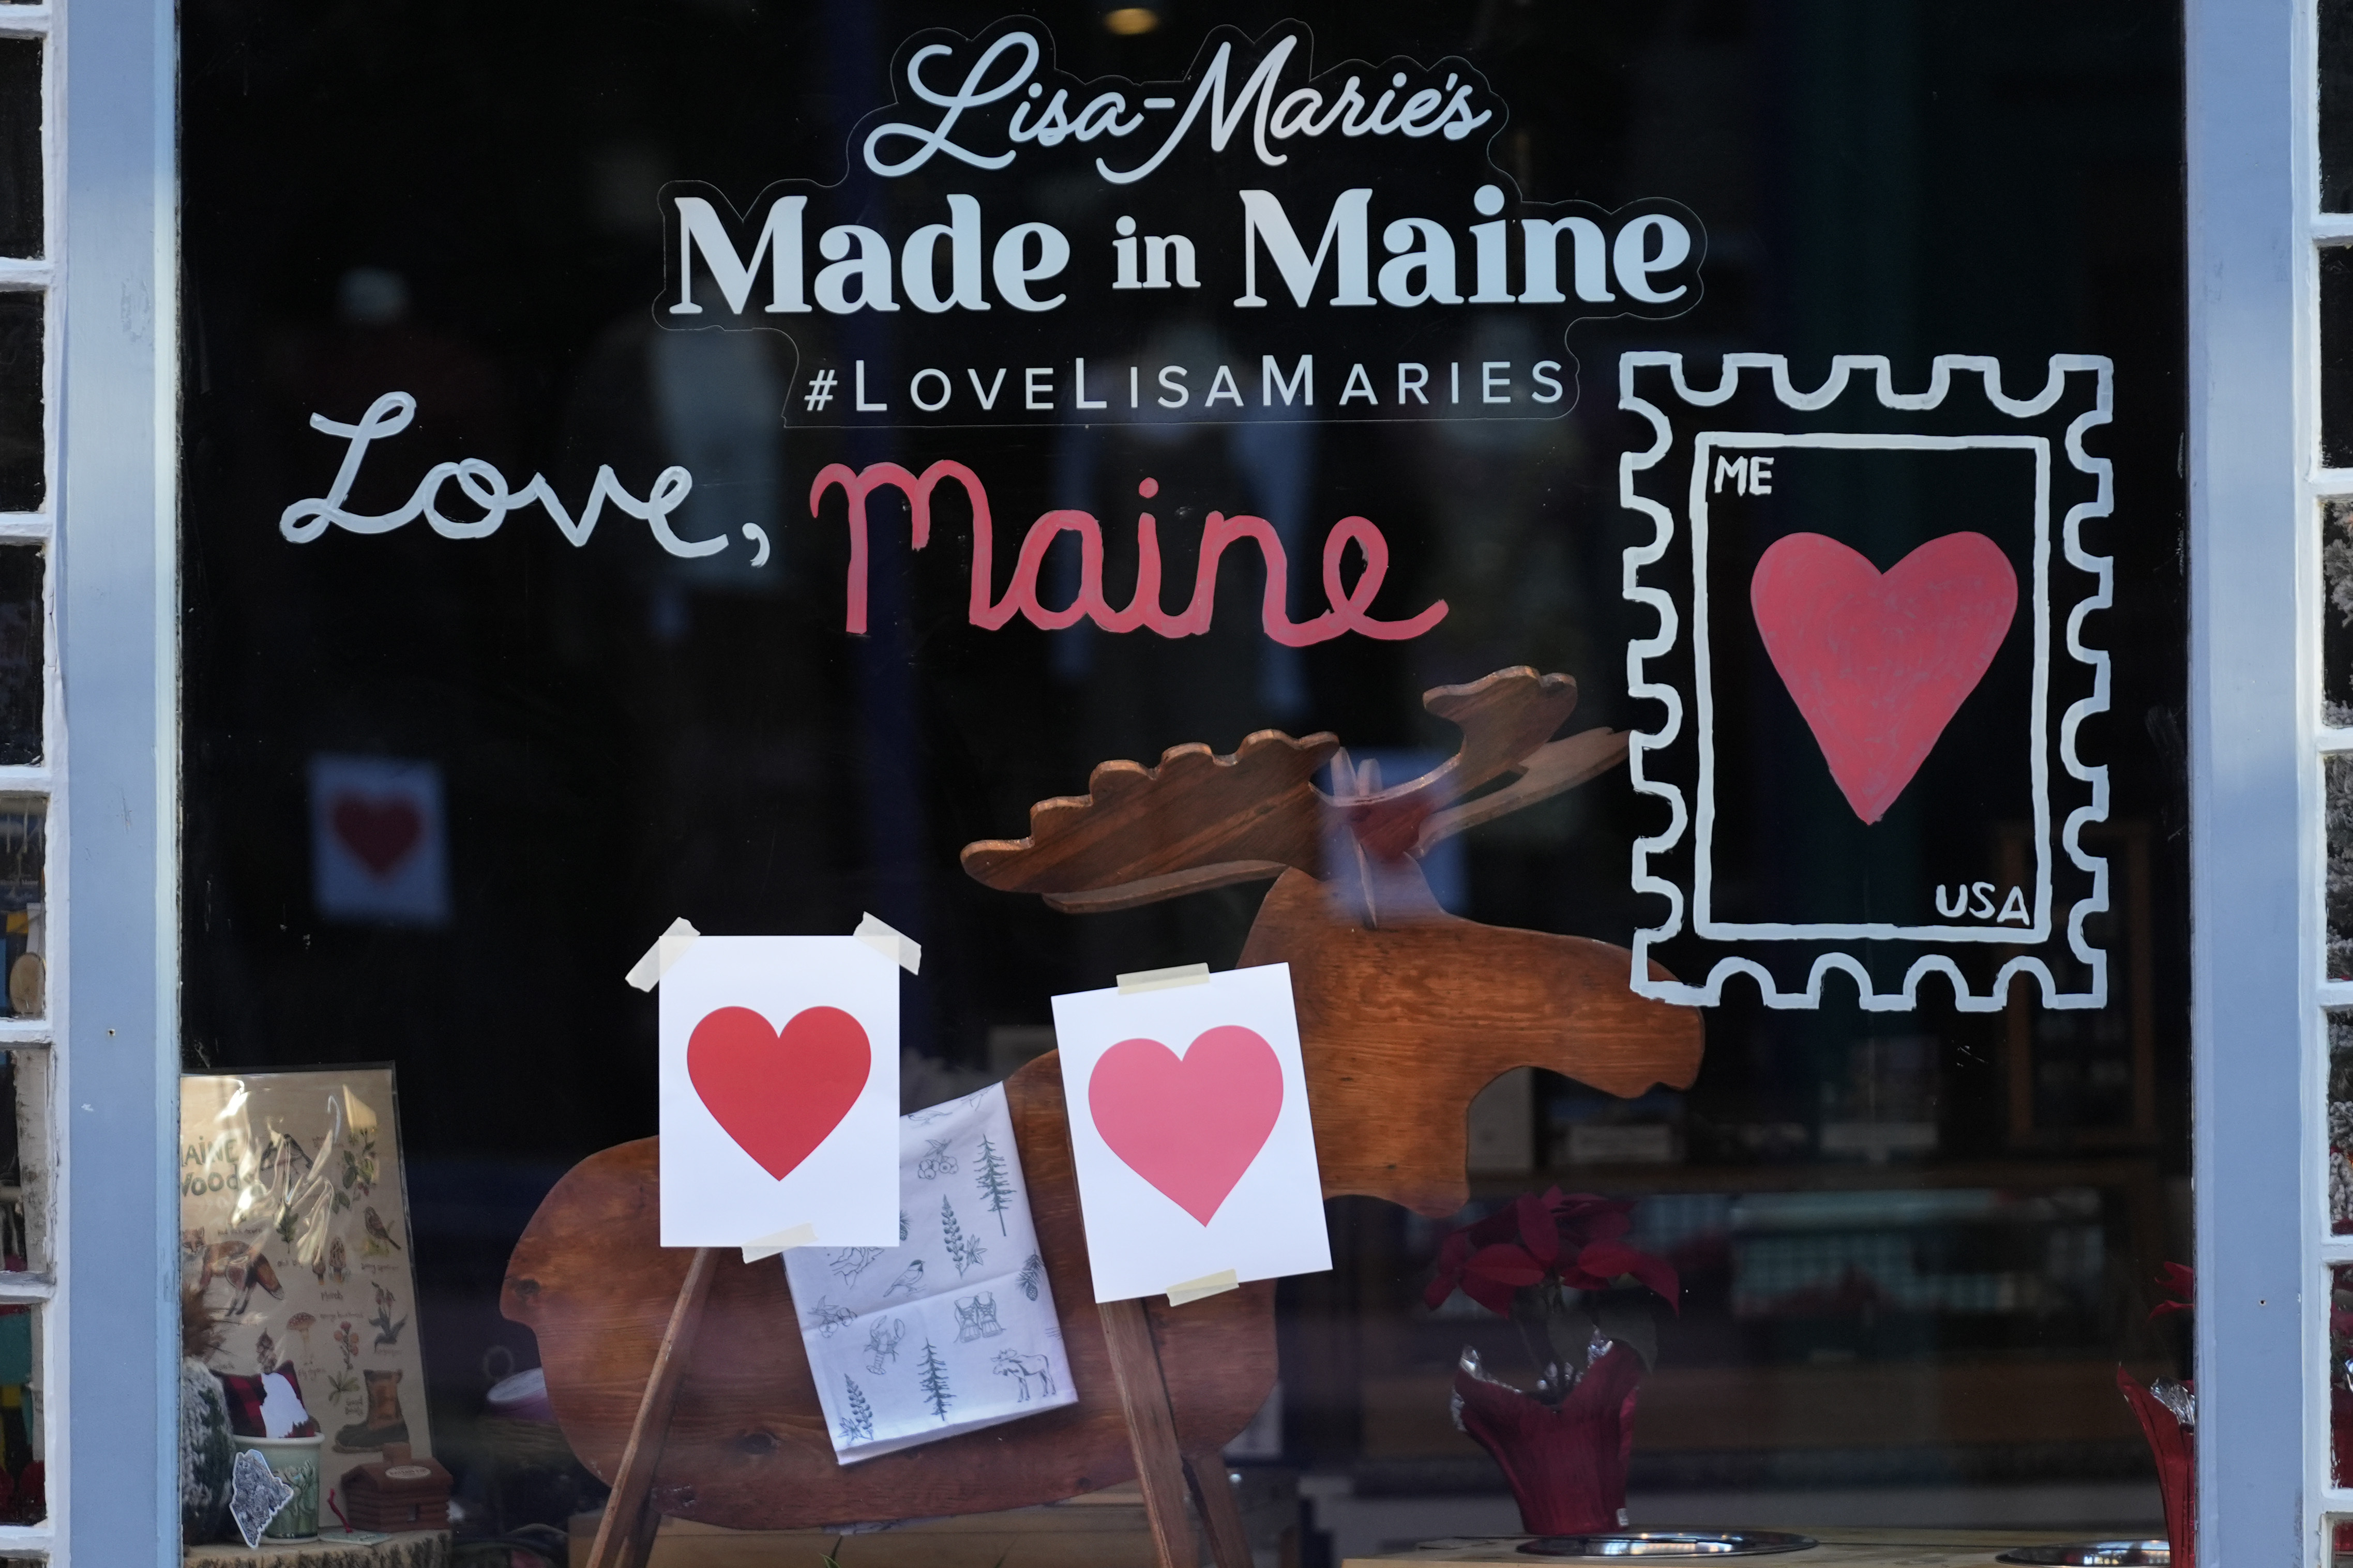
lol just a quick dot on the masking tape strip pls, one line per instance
(902, 951)
(1162, 979)
(667, 950)
(1215, 1284)
(761, 1247)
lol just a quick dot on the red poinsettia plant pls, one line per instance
(1556, 1265)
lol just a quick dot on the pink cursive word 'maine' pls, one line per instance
(1350, 610)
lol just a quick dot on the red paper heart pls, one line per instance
(380, 832)
(1880, 664)
(779, 1092)
(1190, 1125)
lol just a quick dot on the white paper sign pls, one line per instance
(952, 1329)
(1190, 1130)
(378, 849)
(780, 1092)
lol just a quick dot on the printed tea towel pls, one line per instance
(954, 1329)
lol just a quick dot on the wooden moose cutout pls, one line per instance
(679, 1376)
(1405, 1011)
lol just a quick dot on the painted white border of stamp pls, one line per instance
(2039, 764)
(1639, 686)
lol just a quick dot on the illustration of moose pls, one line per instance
(1022, 1368)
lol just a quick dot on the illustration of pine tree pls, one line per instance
(934, 1383)
(857, 1422)
(963, 1251)
(995, 1189)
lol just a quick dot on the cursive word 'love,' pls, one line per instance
(485, 487)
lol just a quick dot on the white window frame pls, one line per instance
(2259, 1053)
(111, 1349)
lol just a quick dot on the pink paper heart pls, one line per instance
(1879, 663)
(779, 1092)
(1191, 1125)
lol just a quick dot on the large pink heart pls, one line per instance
(779, 1092)
(1880, 664)
(1189, 1125)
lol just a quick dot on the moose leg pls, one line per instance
(1151, 1430)
(1221, 1516)
(624, 1536)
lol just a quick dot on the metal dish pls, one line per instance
(2094, 1554)
(1668, 1543)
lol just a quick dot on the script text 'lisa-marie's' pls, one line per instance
(484, 487)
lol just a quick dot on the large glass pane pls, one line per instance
(20, 147)
(453, 761)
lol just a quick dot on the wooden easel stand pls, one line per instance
(624, 1536)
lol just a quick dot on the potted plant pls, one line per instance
(1584, 1304)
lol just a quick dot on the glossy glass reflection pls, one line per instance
(20, 147)
(24, 480)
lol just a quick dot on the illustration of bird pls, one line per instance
(374, 1224)
(910, 1280)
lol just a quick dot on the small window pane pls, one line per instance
(2340, 1375)
(24, 905)
(2336, 106)
(2339, 782)
(23, 477)
(2337, 356)
(20, 147)
(21, 647)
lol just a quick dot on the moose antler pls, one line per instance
(1198, 820)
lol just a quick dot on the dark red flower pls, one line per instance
(2179, 1281)
(1573, 1239)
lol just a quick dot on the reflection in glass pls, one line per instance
(23, 478)
(20, 147)
(2339, 779)
(24, 908)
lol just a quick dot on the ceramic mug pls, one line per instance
(295, 1461)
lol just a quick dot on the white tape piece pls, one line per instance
(768, 1246)
(1162, 979)
(1215, 1284)
(902, 951)
(667, 950)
